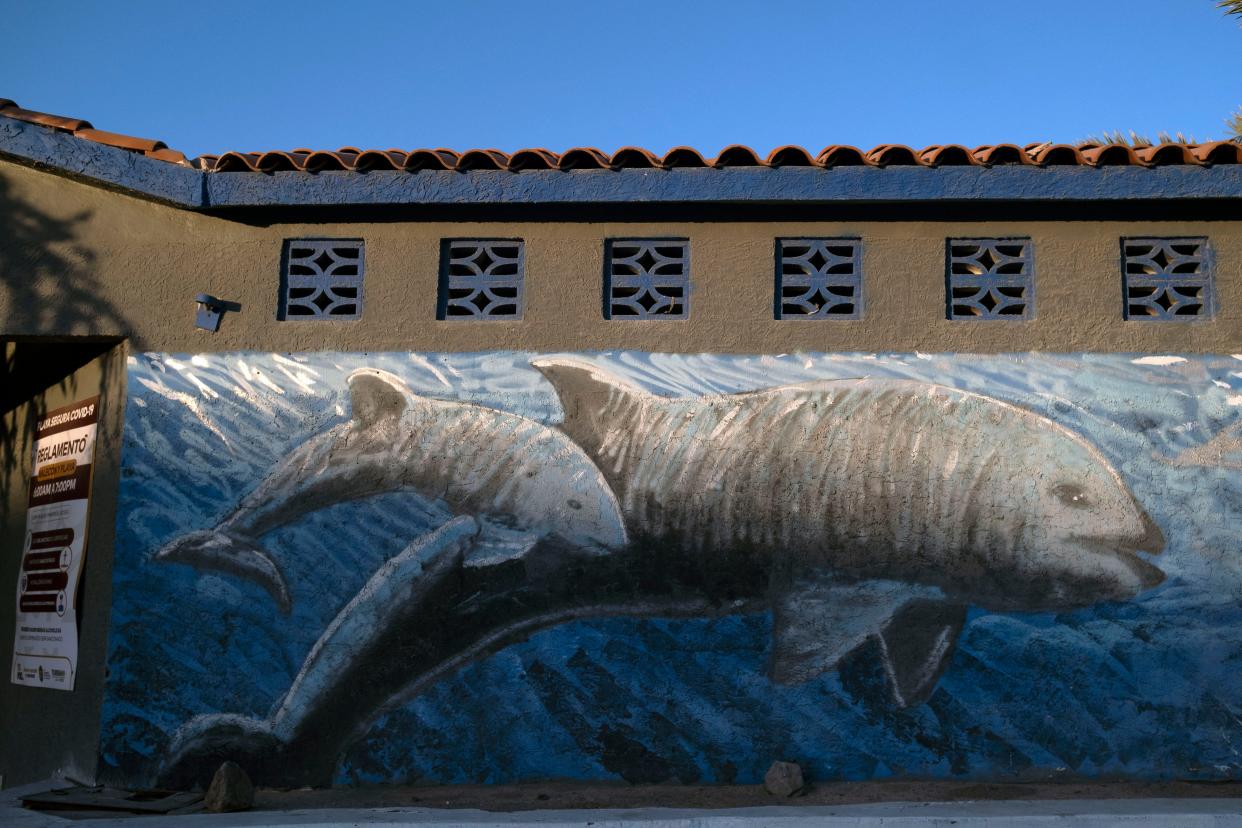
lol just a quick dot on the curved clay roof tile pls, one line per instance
(635, 158)
(584, 158)
(947, 155)
(1219, 152)
(737, 155)
(386, 160)
(683, 157)
(44, 119)
(1055, 155)
(1167, 155)
(841, 155)
(237, 162)
(532, 159)
(278, 161)
(427, 159)
(991, 155)
(893, 155)
(114, 139)
(790, 156)
(1111, 155)
(170, 155)
(482, 159)
(328, 162)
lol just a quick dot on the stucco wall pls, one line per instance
(104, 263)
(322, 608)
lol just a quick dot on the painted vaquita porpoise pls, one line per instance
(843, 488)
(857, 511)
(477, 460)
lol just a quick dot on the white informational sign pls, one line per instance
(45, 651)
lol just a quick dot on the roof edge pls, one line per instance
(194, 189)
(113, 167)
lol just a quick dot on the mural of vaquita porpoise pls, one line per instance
(493, 567)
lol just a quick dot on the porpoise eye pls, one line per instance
(1071, 495)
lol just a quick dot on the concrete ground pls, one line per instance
(620, 795)
(837, 805)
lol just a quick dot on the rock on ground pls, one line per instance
(783, 779)
(231, 790)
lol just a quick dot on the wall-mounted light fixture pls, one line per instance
(210, 309)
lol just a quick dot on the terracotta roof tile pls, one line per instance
(436, 159)
(1048, 155)
(114, 139)
(737, 156)
(1218, 152)
(1110, 155)
(948, 155)
(790, 156)
(379, 160)
(1166, 154)
(532, 159)
(679, 157)
(841, 155)
(892, 155)
(992, 155)
(54, 121)
(331, 161)
(583, 158)
(634, 158)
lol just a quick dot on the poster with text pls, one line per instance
(45, 651)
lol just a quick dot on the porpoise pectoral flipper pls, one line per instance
(820, 621)
(918, 643)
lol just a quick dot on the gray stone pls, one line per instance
(783, 779)
(231, 790)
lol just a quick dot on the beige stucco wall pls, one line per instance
(89, 261)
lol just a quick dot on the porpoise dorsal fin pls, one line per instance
(820, 621)
(586, 391)
(376, 396)
(918, 643)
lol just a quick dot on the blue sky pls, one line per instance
(267, 75)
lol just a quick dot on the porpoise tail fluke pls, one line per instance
(341, 685)
(214, 550)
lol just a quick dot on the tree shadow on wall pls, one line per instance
(49, 290)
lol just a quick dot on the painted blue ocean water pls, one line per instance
(1148, 688)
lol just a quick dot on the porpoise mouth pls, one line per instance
(1126, 550)
(1149, 574)
(1152, 541)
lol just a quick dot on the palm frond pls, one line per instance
(1230, 7)
(1133, 139)
(1234, 123)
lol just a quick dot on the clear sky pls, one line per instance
(215, 76)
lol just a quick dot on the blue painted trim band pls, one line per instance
(195, 189)
(110, 166)
(745, 185)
